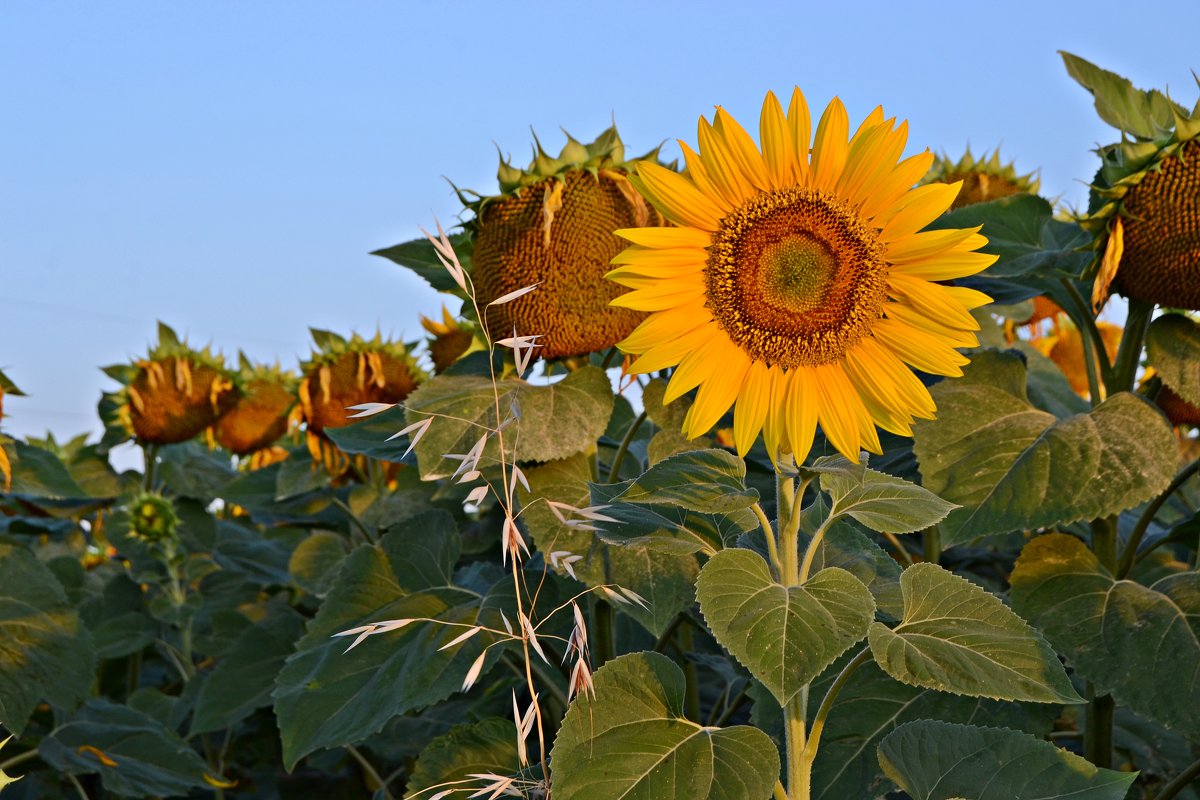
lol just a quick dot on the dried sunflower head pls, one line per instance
(553, 224)
(171, 395)
(260, 415)
(1144, 209)
(451, 339)
(341, 373)
(983, 179)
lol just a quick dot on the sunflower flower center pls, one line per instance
(795, 277)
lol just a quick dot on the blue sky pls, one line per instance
(227, 166)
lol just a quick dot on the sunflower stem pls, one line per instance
(769, 535)
(1093, 342)
(931, 543)
(1182, 781)
(150, 460)
(1129, 554)
(798, 771)
(1097, 739)
(814, 735)
(614, 471)
(1129, 354)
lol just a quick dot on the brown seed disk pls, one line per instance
(1178, 410)
(172, 400)
(1161, 217)
(259, 418)
(795, 277)
(447, 347)
(570, 308)
(353, 379)
(979, 187)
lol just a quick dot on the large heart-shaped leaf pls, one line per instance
(884, 502)
(942, 761)
(956, 637)
(785, 636)
(1173, 347)
(45, 652)
(1117, 634)
(420, 256)
(708, 481)
(1145, 114)
(450, 760)
(630, 740)
(1012, 466)
(551, 422)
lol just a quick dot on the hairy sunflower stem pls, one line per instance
(1097, 739)
(691, 698)
(1104, 541)
(931, 544)
(810, 552)
(149, 461)
(1093, 343)
(371, 772)
(798, 771)
(1129, 554)
(614, 471)
(769, 535)
(785, 497)
(1129, 354)
(1182, 781)
(814, 736)
(20, 758)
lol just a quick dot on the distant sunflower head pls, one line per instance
(1145, 203)
(553, 224)
(174, 393)
(152, 518)
(7, 387)
(260, 415)
(1065, 348)
(452, 338)
(799, 288)
(341, 373)
(983, 179)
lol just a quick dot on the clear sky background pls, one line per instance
(227, 166)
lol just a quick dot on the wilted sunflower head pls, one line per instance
(152, 518)
(1145, 204)
(553, 225)
(983, 179)
(1065, 348)
(341, 373)
(451, 339)
(174, 393)
(260, 415)
(798, 288)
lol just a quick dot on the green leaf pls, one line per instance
(243, 679)
(884, 503)
(956, 637)
(664, 579)
(480, 747)
(1146, 115)
(669, 438)
(942, 761)
(1173, 347)
(630, 740)
(420, 256)
(45, 652)
(785, 636)
(1116, 633)
(666, 528)
(369, 436)
(38, 473)
(872, 704)
(315, 560)
(553, 422)
(847, 548)
(1012, 466)
(708, 481)
(326, 697)
(144, 758)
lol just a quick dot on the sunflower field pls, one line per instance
(803, 468)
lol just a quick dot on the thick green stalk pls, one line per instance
(1129, 555)
(1098, 739)
(614, 471)
(794, 714)
(1129, 355)
(1182, 781)
(602, 623)
(814, 736)
(931, 543)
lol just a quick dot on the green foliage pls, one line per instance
(420, 256)
(882, 502)
(942, 761)
(1012, 466)
(956, 637)
(466, 750)
(785, 636)
(1173, 348)
(1116, 633)
(630, 739)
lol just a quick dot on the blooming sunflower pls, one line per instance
(798, 287)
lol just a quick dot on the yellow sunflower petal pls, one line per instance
(675, 197)
(636, 255)
(716, 395)
(800, 411)
(895, 379)
(934, 301)
(954, 337)
(774, 432)
(929, 243)
(665, 237)
(722, 170)
(742, 149)
(840, 410)
(957, 262)
(800, 124)
(778, 153)
(876, 161)
(699, 175)
(884, 194)
(664, 326)
(923, 350)
(673, 351)
(919, 208)
(881, 403)
(700, 365)
(658, 297)
(752, 403)
(830, 146)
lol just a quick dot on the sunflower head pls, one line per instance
(1144, 209)
(983, 179)
(173, 394)
(1065, 348)
(553, 225)
(260, 415)
(152, 518)
(341, 373)
(451, 339)
(797, 285)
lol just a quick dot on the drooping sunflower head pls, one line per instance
(341, 373)
(451, 339)
(1145, 204)
(553, 225)
(799, 288)
(260, 415)
(173, 394)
